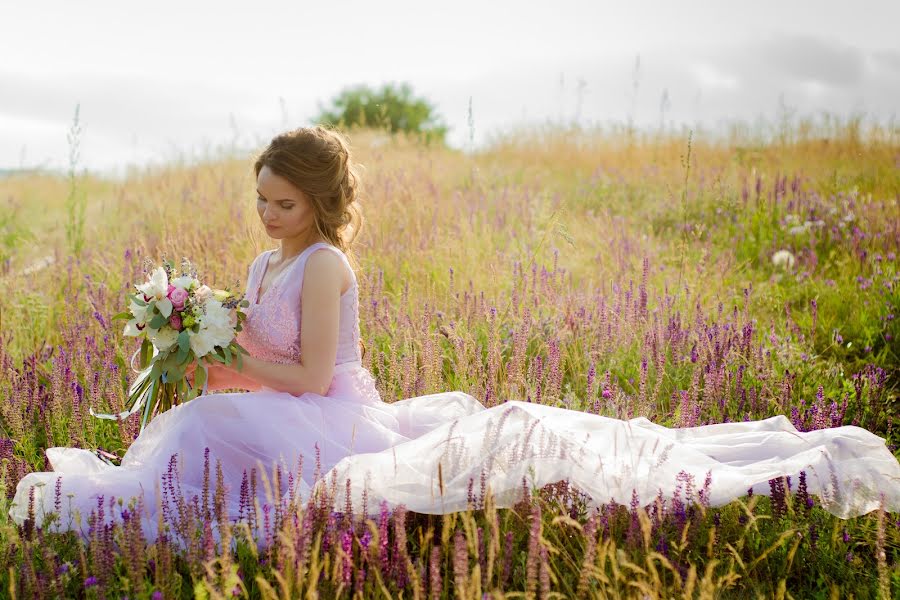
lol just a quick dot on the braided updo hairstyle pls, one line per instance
(317, 161)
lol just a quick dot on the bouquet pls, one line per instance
(180, 320)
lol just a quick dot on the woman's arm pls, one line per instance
(227, 379)
(220, 377)
(320, 299)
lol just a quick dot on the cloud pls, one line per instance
(809, 58)
(748, 78)
(889, 59)
(712, 78)
(702, 82)
(118, 103)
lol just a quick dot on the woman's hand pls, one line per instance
(216, 373)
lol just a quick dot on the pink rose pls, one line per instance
(175, 321)
(178, 297)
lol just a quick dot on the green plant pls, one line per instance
(391, 107)
(13, 232)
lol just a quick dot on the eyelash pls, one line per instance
(258, 199)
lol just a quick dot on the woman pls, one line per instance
(312, 408)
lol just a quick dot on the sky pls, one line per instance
(161, 81)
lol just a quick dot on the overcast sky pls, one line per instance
(162, 79)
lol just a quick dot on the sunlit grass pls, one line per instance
(585, 269)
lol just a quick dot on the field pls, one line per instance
(686, 279)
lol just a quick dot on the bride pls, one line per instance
(312, 409)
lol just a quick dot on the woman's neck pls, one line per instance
(294, 246)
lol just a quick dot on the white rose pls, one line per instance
(214, 313)
(203, 293)
(163, 338)
(216, 321)
(202, 343)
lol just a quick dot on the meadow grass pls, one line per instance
(623, 275)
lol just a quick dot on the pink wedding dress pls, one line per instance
(391, 451)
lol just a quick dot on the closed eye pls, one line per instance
(284, 206)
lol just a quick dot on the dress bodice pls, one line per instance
(271, 330)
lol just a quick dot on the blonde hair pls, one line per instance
(317, 160)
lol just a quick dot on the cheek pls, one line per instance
(301, 214)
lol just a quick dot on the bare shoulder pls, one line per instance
(326, 271)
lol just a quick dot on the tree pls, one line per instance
(392, 108)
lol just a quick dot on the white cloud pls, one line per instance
(713, 79)
(155, 78)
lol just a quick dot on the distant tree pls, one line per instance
(391, 108)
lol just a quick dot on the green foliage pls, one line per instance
(13, 232)
(391, 107)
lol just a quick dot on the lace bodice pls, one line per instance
(271, 330)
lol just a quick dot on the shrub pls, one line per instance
(391, 107)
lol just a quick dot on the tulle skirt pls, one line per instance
(429, 453)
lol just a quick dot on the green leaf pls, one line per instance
(184, 346)
(199, 378)
(189, 358)
(170, 364)
(140, 391)
(175, 374)
(146, 352)
(150, 403)
(227, 351)
(158, 321)
(123, 315)
(184, 340)
(183, 391)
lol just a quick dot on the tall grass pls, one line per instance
(623, 275)
(76, 200)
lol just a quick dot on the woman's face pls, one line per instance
(283, 208)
